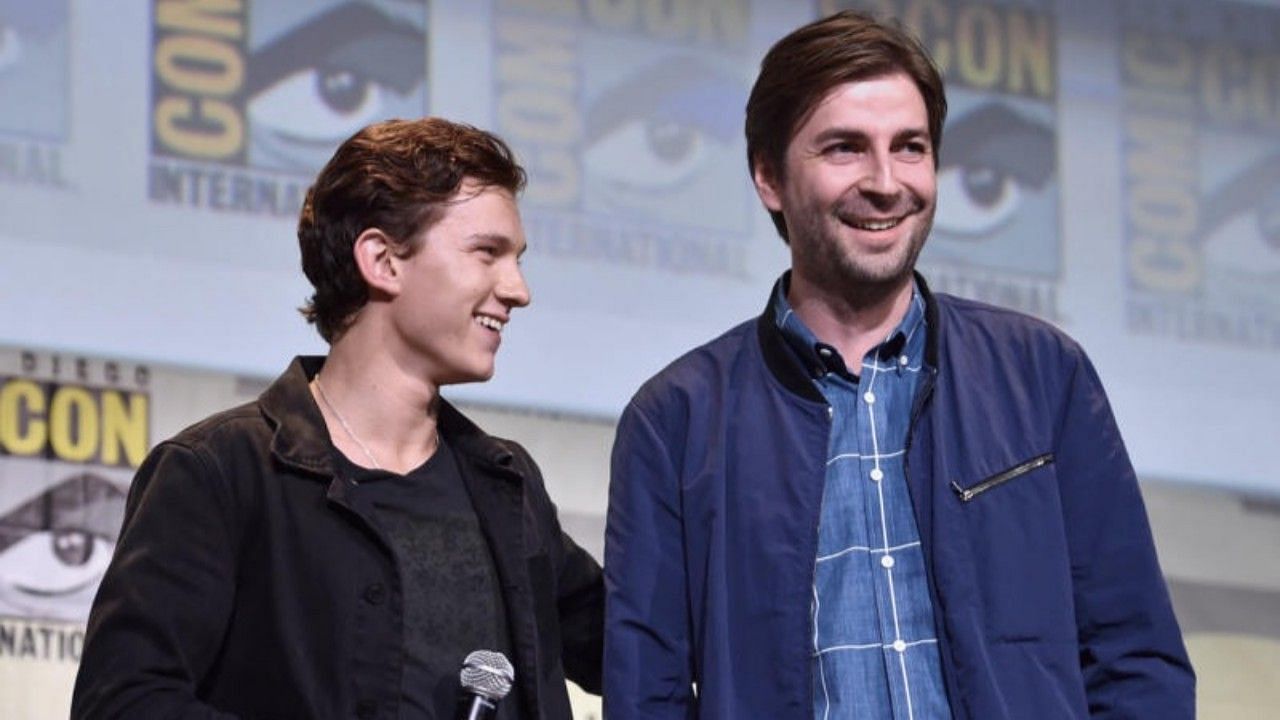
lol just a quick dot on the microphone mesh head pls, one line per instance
(488, 673)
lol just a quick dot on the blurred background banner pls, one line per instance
(997, 234)
(1201, 151)
(71, 437)
(1108, 166)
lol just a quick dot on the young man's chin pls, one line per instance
(470, 375)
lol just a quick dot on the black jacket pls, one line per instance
(249, 582)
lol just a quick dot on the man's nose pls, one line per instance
(512, 289)
(879, 179)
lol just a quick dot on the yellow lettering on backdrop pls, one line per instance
(22, 400)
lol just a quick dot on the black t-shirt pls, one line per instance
(453, 602)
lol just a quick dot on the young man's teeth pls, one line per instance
(491, 323)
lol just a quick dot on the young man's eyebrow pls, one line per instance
(500, 238)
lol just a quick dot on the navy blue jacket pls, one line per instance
(1049, 600)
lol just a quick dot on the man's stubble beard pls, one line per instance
(821, 258)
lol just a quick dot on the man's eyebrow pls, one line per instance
(911, 134)
(849, 133)
(500, 238)
(839, 133)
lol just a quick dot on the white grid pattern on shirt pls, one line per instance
(884, 536)
(899, 645)
(863, 548)
(875, 646)
(857, 456)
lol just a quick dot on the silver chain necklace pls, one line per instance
(343, 422)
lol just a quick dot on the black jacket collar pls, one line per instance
(788, 369)
(302, 440)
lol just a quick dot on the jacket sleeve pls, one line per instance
(1131, 651)
(581, 606)
(159, 616)
(579, 590)
(648, 658)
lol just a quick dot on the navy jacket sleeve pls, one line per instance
(648, 666)
(159, 616)
(1131, 650)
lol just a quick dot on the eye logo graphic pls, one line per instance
(996, 234)
(54, 548)
(621, 113)
(1239, 234)
(35, 53)
(1202, 172)
(655, 136)
(993, 161)
(34, 62)
(67, 452)
(312, 86)
(268, 89)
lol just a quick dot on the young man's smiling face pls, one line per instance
(459, 288)
(858, 185)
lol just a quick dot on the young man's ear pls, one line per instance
(767, 185)
(377, 261)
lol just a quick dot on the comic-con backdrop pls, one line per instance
(1112, 166)
(1108, 166)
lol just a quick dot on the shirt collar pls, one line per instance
(818, 357)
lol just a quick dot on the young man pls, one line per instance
(873, 501)
(336, 548)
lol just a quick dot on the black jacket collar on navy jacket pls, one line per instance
(786, 367)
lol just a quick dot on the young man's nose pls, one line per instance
(513, 290)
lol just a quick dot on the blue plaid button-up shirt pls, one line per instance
(875, 648)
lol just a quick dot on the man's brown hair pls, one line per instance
(801, 68)
(396, 176)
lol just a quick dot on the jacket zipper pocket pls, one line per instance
(969, 493)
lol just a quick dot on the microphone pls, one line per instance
(486, 678)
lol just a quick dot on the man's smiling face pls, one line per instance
(461, 285)
(858, 186)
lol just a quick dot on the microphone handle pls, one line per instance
(476, 707)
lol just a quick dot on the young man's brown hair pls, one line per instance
(395, 176)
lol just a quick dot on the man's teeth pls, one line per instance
(875, 224)
(489, 322)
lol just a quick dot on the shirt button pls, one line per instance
(887, 561)
(870, 397)
(375, 594)
(824, 352)
(900, 645)
(877, 474)
(903, 360)
(831, 412)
